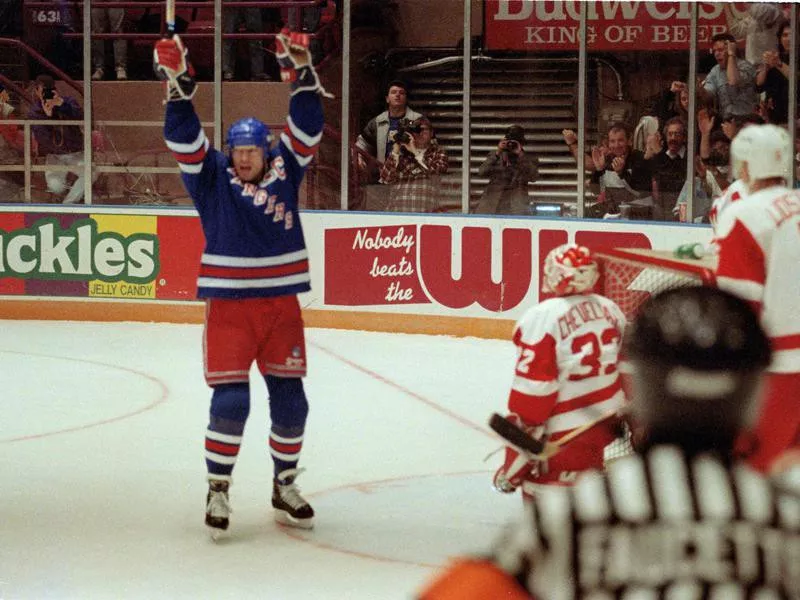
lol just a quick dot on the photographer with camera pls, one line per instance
(413, 167)
(60, 144)
(12, 148)
(509, 170)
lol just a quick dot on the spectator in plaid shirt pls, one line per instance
(413, 168)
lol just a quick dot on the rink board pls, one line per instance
(454, 274)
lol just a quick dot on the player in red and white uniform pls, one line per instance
(733, 193)
(680, 518)
(759, 260)
(566, 374)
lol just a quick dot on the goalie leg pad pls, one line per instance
(516, 468)
(519, 465)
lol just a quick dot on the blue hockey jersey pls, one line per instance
(254, 239)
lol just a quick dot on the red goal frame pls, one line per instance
(628, 276)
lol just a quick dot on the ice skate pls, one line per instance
(218, 508)
(290, 507)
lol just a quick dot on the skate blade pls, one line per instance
(217, 534)
(285, 518)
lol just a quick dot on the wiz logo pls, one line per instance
(80, 252)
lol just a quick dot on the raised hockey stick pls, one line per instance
(170, 17)
(522, 441)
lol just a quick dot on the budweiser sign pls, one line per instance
(611, 25)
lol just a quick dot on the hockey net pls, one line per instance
(629, 277)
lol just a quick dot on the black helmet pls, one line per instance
(697, 355)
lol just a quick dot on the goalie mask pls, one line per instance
(697, 355)
(569, 269)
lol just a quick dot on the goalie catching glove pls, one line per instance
(294, 59)
(172, 66)
(518, 465)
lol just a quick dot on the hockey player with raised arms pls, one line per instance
(759, 260)
(253, 266)
(566, 373)
(680, 518)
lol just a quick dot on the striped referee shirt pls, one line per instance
(660, 526)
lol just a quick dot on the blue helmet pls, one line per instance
(249, 132)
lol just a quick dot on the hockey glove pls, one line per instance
(172, 66)
(518, 466)
(294, 59)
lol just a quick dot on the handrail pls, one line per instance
(193, 4)
(614, 70)
(61, 74)
(18, 90)
(487, 59)
(28, 167)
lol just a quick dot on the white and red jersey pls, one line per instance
(759, 260)
(733, 193)
(566, 375)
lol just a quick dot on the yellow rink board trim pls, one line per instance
(193, 312)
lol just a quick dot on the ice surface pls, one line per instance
(103, 476)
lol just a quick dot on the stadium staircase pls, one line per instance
(540, 94)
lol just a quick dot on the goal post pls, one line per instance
(629, 276)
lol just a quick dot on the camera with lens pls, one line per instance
(48, 93)
(512, 145)
(404, 130)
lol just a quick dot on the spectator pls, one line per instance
(772, 78)
(623, 173)
(60, 144)
(668, 167)
(11, 151)
(715, 164)
(509, 170)
(109, 20)
(413, 168)
(251, 18)
(732, 81)
(309, 20)
(731, 126)
(374, 140)
(758, 26)
(674, 102)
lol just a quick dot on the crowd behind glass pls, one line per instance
(635, 165)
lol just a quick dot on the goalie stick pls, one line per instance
(523, 442)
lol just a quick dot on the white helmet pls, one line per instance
(766, 149)
(569, 269)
